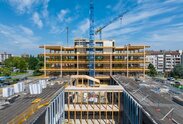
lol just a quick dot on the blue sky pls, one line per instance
(26, 24)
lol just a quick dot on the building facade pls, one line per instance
(164, 61)
(4, 56)
(129, 60)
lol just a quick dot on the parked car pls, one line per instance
(1, 85)
(177, 83)
(170, 79)
(137, 79)
(6, 83)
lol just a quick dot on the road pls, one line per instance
(167, 83)
(30, 72)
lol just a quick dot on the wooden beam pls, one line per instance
(85, 77)
(109, 88)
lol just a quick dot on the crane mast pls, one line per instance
(91, 55)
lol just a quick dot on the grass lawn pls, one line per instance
(17, 73)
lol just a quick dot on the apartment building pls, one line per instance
(4, 56)
(128, 60)
(164, 61)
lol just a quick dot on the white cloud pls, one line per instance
(121, 31)
(56, 30)
(152, 23)
(45, 12)
(82, 29)
(29, 6)
(62, 15)
(23, 6)
(26, 30)
(170, 34)
(18, 39)
(166, 39)
(84, 26)
(37, 20)
(118, 6)
(135, 17)
(173, 1)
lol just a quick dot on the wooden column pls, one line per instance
(77, 64)
(44, 60)
(127, 61)
(82, 83)
(111, 64)
(61, 61)
(144, 63)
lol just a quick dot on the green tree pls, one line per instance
(33, 62)
(5, 71)
(17, 62)
(177, 71)
(152, 71)
(39, 65)
(22, 65)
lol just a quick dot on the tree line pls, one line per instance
(22, 64)
(177, 71)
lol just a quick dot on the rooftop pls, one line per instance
(23, 103)
(155, 99)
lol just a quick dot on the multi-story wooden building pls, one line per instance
(129, 60)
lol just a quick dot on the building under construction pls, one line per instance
(99, 103)
(129, 60)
